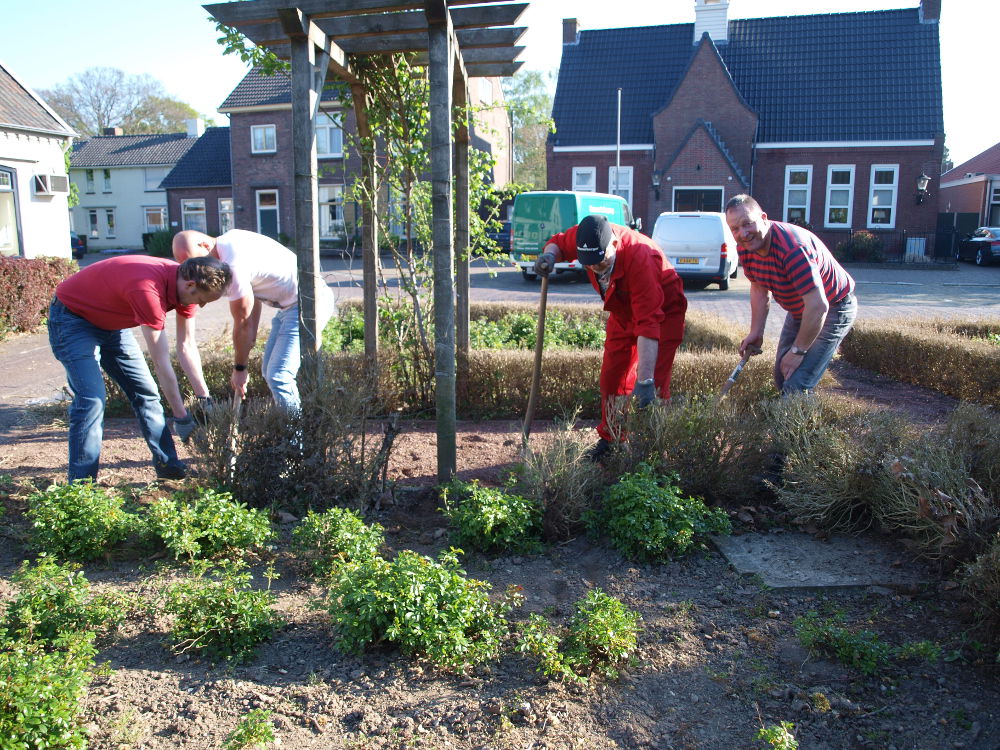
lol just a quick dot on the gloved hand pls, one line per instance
(544, 264)
(645, 392)
(184, 426)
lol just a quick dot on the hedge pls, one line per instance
(26, 289)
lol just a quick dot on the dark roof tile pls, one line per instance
(20, 108)
(257, 89)
(206, 164)
(130, 150)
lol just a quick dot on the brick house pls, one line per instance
(826, 119)
(260, 156)
(970, 192)
(200, 186)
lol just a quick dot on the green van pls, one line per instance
(539, 215)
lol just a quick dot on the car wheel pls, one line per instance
(528, 275)
(724, 284)
(735, 272)
(981, 259)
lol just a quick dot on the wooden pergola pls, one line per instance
(457, 39)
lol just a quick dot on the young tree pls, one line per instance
(530, 101)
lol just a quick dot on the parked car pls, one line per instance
(501, 237)
(982, 246)
(699, 244)
(78, 245)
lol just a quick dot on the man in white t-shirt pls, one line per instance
(264, 273)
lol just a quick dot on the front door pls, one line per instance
(10, 236)
(267, 213)
(698, 199)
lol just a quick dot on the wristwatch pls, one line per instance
(799, 352)
(239, 368)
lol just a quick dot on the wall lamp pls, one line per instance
(656, 184)
(922, 193)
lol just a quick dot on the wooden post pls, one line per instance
(462, 231)
(441, 59)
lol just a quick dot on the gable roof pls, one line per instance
(130, 150)
(258, 90)
(714, 136)
(869, 76)
(206, 164)
(22, 109)
(988, 162)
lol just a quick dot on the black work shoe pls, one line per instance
(598, 451)
(171, 471)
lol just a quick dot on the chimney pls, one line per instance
(711, 16)
(930, 11)
(113, 131)
(571, 31)
(195, 127)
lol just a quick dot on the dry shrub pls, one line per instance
(26, 289)
(705, 331)
(495, 311)
(563, 480)
(334, 452)
(975, 432)
(717, 450)
(704, 373)
(982, 584)
(934, 354)
(832, 453)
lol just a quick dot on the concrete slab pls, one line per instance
(794, 560)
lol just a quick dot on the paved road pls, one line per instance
(31, 373)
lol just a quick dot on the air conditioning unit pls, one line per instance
(49, 184)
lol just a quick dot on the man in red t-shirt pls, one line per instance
(89, 330)
(645, 299)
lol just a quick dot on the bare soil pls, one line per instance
(717, 659)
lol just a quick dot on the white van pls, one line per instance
(699, 244)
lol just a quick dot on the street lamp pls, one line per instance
(922, 193)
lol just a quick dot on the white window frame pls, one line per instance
(590, 172)
(329, 136)
(883, 187)
(264, 130)
(830, 188)
(107, 180)
(615, 185)
(153, 176)
(227, 215)
(89, 177)
(789, 187)
(331, 227)
(112, 223)
(193, 207)
(277, 208)
(93, 227)
(146, 210)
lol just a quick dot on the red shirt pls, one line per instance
(123, 292)
(644, 287)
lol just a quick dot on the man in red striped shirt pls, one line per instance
(792, 265)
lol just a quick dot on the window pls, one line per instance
(329, 135)
(154, 176)
(226, 220)
(90, 180)
(620, 183)
(839, 195)
(193, 214)
(585, 179)
(92, 223)
(398, 211)
(798, 186)
(331, 211)
(263, 139)
(267, 213)
(10, 242)
(882, 196)
(156, 218)
(107, 180)
(109, 217)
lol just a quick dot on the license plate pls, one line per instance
(687, 261)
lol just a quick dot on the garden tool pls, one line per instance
(234, 426)
(536, 375)
(750, 351)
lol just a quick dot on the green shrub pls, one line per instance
(255, 730)
(40, 692)
(55, 600)
(208, 524)
(863, 649)
(26, 289)
(160, 244)
(78, 521)
(217, 612)
(426, 607)
(538, 639)
(981, 581)
(648, 519)
(779, 736)
(862, 247)
(491, 520)
(327, 540)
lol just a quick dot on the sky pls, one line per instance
(49, 41)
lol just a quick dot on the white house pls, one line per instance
(34, 187)
(118, 178)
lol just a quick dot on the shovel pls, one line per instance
(536, 375)
(736, 372)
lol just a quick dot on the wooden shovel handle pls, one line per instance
(536, 375)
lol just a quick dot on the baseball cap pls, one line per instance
(593, 236)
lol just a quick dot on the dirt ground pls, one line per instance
(717, 659)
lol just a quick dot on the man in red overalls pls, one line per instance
(645, 299)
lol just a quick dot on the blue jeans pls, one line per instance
(839, 320)
(84, 349)
(282, 356)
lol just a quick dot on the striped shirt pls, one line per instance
(796, 263)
